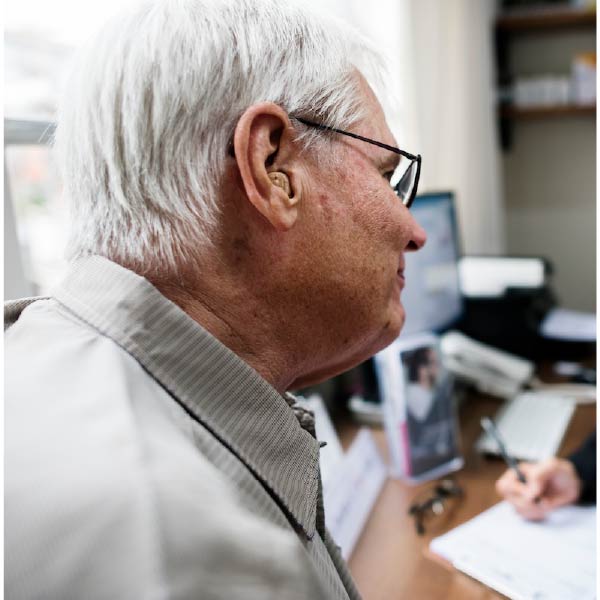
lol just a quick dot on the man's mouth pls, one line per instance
(400, 277)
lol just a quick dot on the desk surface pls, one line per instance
(389, 559)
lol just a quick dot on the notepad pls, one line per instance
(351, 492)
(550, 560)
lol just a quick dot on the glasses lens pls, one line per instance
(404, 179)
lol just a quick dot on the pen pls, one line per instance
(492, 431)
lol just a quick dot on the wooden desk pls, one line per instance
(389, 559)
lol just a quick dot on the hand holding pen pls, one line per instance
(492, 431)
(535, 489)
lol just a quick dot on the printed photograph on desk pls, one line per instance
(419, 409)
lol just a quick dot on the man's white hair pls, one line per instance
(151, 106)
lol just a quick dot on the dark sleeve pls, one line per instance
(584, 461)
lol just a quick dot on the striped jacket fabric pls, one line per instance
(144, 459)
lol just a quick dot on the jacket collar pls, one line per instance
(207, 379)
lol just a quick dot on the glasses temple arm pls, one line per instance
(358, 137)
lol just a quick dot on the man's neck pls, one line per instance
(238, 322)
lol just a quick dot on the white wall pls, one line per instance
(455, 83)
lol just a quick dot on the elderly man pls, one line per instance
(234, 235)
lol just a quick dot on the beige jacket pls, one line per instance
(144, 459)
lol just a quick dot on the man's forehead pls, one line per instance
(374, 123)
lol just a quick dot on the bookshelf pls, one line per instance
(544, 18)
(542, 21)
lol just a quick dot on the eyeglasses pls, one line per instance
(405, 179)
(434, 502)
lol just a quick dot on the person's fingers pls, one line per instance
(549, 484)
(548, 505)
(533, 490)
(529, 509)
(508, 484)
(537, 472)
(532, 512)
(539, 475)
(556, 500)
(562, 483)
(546, 469)
(521, 502)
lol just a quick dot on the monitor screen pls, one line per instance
(432, 296)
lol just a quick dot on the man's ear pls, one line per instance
(264, 150)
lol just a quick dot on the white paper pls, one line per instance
(391, 385)
(550, 560)
(571, 325)
(491, 276)
(331, 454)
(351, 491)
(351, 481)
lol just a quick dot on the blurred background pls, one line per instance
(498, 96)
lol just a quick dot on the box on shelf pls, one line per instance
(583, 78)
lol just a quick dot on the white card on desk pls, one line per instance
(351, 491)
(550, 560)
(332, 454)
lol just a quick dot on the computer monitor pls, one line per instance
(432, 295)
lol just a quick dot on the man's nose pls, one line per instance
(418, 237)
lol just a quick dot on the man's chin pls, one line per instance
(396, 322)
(391, 329)
(388, 333)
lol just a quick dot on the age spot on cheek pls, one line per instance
(323, 199)
(326, 208)
(241, 249)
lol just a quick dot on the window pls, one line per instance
(39, 39)
(36, 211)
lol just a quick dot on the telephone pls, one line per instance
(490, 370)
